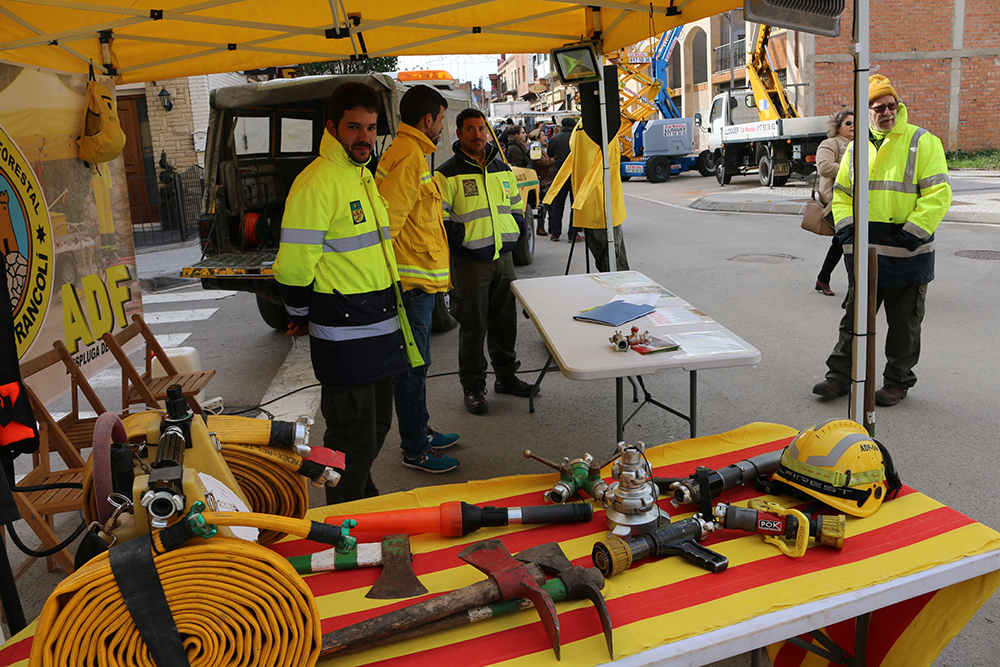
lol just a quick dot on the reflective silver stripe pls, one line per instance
(931, 181)
(830, 460)
(843, 222)
(297, 312)
(339, 334)
(470, 216)
(406, 270)
(909, 175)
(366, 240)
(850, 166)
(516, 199)
(303, 236)
(838, 186)
(510, 236)
(920, 233)
(894, 186)
(476, 244)
(893, 251)
(426, 178)
(504, 210)
(446, 205)
(381, 173)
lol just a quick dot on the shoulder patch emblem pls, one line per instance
(470, 188)
(357, 212)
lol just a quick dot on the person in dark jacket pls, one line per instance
(559, 151)
(518, 153)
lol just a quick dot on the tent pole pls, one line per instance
(605, 152)
(862, 339)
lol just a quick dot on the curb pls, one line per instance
(790, 208)
(165, 281)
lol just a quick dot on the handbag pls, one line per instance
(813, 219)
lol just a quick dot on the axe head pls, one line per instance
(514, 581)
(397, 580)
(581, 583)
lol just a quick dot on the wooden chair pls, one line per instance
(64, 437)
(145, 388)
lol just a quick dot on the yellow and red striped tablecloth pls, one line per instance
(665, 600)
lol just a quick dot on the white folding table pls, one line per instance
(583, 351)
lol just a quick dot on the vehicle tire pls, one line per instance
(658, 169)
(780, 180)
(720, 173)
(65, 271)
(524, 252)
(626, 179)
(706, 163)
(764, 171)
(273, 313)
(441, 319)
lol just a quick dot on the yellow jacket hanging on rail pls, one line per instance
(585, 166)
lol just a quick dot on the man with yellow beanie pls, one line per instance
(908, 196)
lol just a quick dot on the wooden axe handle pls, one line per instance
(475, 595)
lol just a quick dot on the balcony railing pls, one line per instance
(723, 53)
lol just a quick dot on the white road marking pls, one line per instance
(172, 316)
(168, 341)
(199, 295)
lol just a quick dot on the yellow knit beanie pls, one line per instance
(879, 86)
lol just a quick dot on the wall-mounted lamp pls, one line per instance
(165, 99)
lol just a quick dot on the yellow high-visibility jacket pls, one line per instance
(416, 222)
(908, 196)
(337, 272)
(585, 165)
(483, 210)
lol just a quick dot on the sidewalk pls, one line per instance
(976, 198)
(159, 267)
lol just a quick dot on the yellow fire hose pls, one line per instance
(235, 603)
(270, 483)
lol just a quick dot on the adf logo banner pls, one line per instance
(26, 243)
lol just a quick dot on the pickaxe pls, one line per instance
(393, 554)
(572, 582)
(509, 579)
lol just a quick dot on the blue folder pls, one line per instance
(614, 313)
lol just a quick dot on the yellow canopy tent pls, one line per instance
(160, 39)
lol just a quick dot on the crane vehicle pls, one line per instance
(759, 128)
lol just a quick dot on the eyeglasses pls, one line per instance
(849, 123)
(881, 108)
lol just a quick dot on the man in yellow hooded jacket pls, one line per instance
(416, 223)
(337, 274)
(908, 196)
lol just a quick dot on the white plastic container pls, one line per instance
(185, 360)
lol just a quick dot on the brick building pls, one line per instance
(943, 59)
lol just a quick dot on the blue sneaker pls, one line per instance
(433, 462)
(440, 440)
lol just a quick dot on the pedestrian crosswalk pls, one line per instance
(111, 377)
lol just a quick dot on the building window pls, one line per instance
(699, 45)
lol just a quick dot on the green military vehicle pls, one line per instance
(260, 136)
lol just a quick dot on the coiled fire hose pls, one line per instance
(269, 482)
(233, 602)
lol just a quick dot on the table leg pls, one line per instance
(635, 389)
(694, 404)
(619, 411)
(538, 383)
(756, 659)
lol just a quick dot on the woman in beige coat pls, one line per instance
(828, 157)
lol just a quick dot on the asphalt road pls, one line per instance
(755, 275)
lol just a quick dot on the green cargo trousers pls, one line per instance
(486, 310)
(904, 313)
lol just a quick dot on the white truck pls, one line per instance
(740, 141)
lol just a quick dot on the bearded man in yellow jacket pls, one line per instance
(416, 224)
(908, 196)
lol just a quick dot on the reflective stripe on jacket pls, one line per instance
(482, 207)
(415, 219)
(908, 196)
(337, 274)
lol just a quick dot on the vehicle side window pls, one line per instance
(253, 136)
(741, 113)
(296, 135)
(716, 112)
